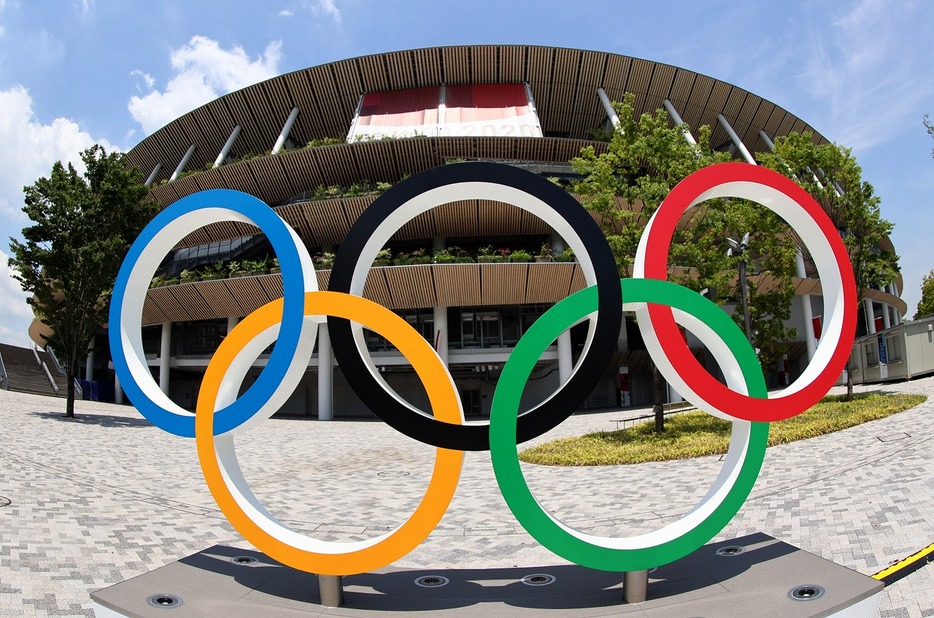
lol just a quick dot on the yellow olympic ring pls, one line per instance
(238, 503)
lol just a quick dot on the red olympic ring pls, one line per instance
(736, 180)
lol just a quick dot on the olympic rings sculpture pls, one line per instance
(661, 306)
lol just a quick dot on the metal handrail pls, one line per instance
(79, 392)
(41, 363)
(4, 380)
(48, 374)
(55, 361)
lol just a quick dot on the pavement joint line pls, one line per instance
(906, 566)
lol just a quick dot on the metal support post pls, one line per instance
(331, 590)
(635, 586)
(735, 139)
(227, 146)
(610, 112)
(679, 122)
(183, 162)
(152, 175)
(284, 134)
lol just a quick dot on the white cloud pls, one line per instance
(30, 148)
(15, 314)
(327, 8)
(285, 13)
(860, 71)
(202, 71)
(148, 79)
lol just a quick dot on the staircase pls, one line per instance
(25, 376)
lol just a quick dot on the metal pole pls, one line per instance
(152, 175)
(227, 146)
(610, 112)
(744, 294)
(183, 162)
(635, 586)
(679, 122)
(331, 590)
(735, 138)
(280, 142)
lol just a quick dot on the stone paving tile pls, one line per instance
(107, 496)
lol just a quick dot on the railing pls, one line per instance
(4, 380)
(45, 368)
(55, 361)
(668, 409)
(79, 392)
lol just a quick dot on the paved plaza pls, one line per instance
(107, 496)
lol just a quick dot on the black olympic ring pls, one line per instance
(392, 207)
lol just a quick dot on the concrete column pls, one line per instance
(735, 139)
(557, 243)
(886, 318)
(441, 333)
(118, 390)
(673, 395)
(870, 316)
(227, 146)
(679, 122)
(897, 318)
(89, 368)
(565, 362)
(284, 134)
(325, 374)
(152, 175)
(610, 112)
(806, 310)
(183, 162)
(165, 356)
(232, 321)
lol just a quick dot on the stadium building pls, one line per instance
(319, 144)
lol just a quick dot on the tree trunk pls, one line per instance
(70, 390)
(658, 408)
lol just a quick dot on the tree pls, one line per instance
(645, 158)
(68, 262)
(926, 305)
(832, 176)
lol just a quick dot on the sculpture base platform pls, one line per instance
(755, 575)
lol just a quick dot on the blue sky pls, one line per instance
(77, 72)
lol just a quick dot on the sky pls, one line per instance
(78, 72)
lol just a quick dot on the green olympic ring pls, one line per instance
(676, 540)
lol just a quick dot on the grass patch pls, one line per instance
(694, 434)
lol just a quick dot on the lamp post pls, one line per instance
(739, 250)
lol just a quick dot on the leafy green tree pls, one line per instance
(926, 305)
(770, 267)
(834, 179)
(645, 158)
(68, 262)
